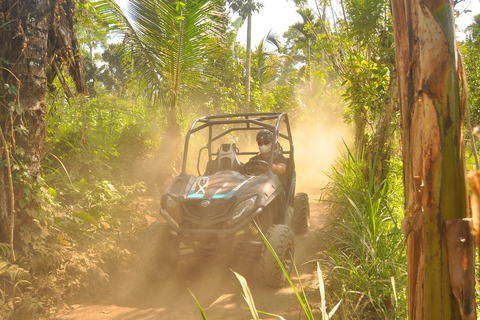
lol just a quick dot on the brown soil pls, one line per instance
(214, 285)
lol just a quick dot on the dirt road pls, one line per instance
(215, 287)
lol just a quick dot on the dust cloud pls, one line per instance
(318, 139)
(316, 147)
(210, 280)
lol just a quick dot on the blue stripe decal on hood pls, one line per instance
(193, 195)
(228, 195)
(216, 196)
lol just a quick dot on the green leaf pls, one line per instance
(26, 190)
(85, 217)
(52, 192)
(237, 24)
(94, 212)
(23, 202)
(384, 71)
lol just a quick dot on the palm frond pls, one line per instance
(167, 43)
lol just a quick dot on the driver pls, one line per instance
(264, 141)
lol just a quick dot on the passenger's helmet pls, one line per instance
(264, 134)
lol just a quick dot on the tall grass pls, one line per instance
(365, 255)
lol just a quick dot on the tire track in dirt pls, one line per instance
(214, 285)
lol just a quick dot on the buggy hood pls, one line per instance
(227, 185)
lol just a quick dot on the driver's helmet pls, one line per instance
(264, 135)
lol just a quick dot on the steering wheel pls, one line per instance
(256, 167)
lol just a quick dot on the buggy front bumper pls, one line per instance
(220, 233)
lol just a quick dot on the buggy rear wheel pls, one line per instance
(159, 253)
(282, 240)
(301, 214)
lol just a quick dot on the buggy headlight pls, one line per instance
(244, 207)
(172, 208)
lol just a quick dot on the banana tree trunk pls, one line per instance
(433, 156)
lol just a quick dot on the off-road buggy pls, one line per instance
(223, 210)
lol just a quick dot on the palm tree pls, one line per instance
(246, 8)
(166, 45)
(304, 39)
(268, 62)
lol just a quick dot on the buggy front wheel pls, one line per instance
(282, 241)
(159, 253)
(301, 214)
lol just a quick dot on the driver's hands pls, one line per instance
(279, 168)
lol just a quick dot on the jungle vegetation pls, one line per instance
(93, 98)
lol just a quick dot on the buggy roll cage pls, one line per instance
(245, 122)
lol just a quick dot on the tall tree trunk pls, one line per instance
(248, 62)
(433, 153)
(26, 50)
(38, 32)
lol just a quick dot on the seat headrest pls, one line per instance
(227, 157)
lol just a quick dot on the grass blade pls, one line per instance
(271, 314)
(309, 309)
(204, 317)
(321, 287)
(392, 278)
(332, 312)
(247, 295)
